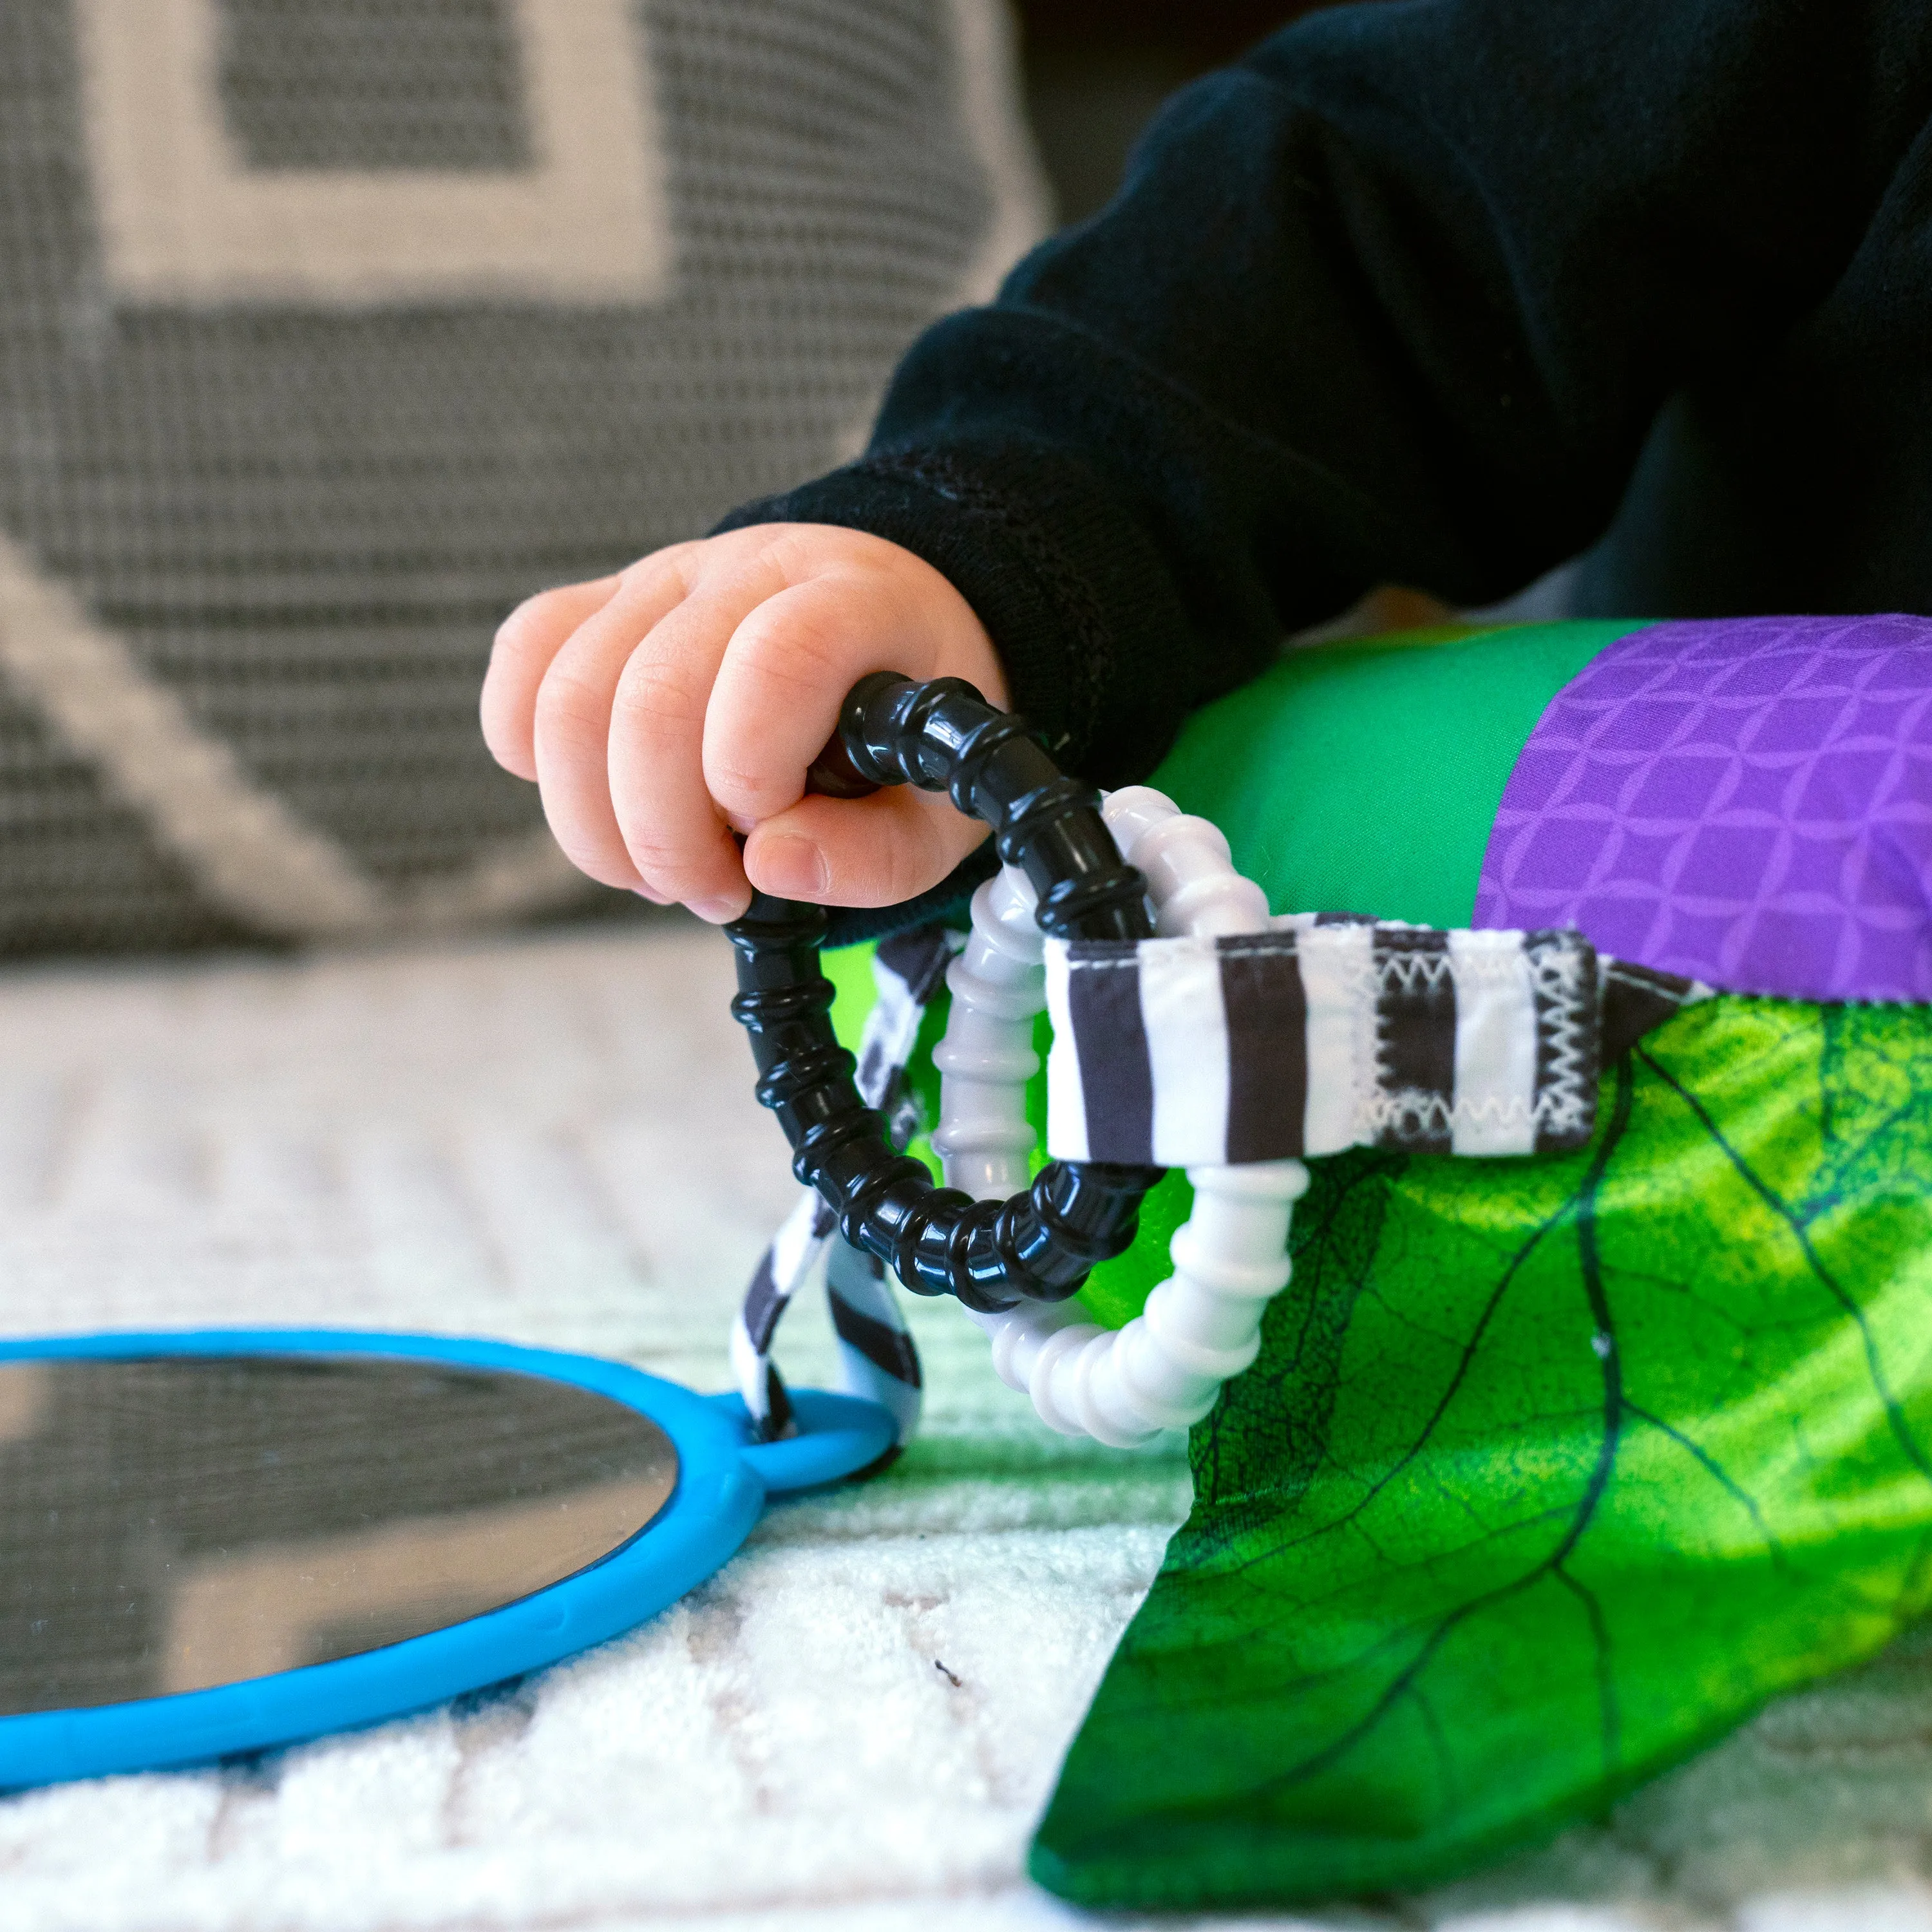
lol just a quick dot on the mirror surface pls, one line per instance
(174, 1523)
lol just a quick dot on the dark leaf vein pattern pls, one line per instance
(1548, 1472)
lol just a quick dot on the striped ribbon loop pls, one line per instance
(877, 1358)
(1328, 1031)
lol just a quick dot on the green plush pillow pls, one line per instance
(1550, 1470)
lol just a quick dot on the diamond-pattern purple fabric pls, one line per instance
(1746, 801)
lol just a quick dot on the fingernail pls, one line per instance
(793, 868)
(721, 911)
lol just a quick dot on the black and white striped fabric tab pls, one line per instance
(782, 1269)
(877, 1357)
(876, 1354)
(1324, 1033)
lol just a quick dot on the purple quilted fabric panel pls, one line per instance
(1745, 801)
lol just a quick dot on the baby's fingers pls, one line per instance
(572, 730)
(670, 828)
(527, 642)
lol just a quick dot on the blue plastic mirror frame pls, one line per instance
(723, 1479)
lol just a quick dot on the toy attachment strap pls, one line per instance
(1039, 1245)
(878, 1357)
(1320, 1032)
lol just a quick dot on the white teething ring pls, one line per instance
(1202, 1325)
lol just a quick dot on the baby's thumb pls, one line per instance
(873, 851)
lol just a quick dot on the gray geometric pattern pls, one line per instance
(301, 523)
(373, 84)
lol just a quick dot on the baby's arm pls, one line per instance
(1397, 299)
(664, 709)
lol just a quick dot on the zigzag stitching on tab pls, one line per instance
(1562, 1104)
(1364, 986)
(1491, 1110)
(1405, 1111)
(1411, 972)
(1409, 1112)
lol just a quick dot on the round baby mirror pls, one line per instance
(213, 1544)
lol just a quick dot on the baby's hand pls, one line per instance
(664, 709)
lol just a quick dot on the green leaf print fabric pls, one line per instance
(1549, 1471)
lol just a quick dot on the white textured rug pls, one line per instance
(553, 1140)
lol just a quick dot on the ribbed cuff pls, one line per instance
(1068, 588)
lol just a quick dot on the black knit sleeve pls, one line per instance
(1397, 299)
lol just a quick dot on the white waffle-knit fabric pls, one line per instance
(552, 1139)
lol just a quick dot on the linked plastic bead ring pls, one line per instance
(1040, 1244)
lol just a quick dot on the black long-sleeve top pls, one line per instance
(1441, 292)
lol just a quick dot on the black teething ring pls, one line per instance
(944, 736)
